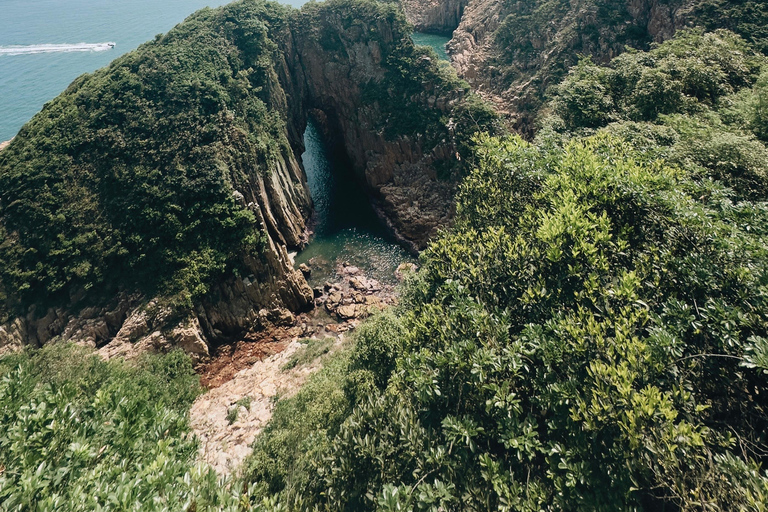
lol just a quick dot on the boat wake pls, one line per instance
(55, 48)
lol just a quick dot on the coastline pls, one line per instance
(4, 145)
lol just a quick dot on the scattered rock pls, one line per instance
(349, 270)
(364, 284)
(305, 270)
(188, 338)
(223, 445)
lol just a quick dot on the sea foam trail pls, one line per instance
(55, 48)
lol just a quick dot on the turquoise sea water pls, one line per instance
(346, 228)
(435, 41)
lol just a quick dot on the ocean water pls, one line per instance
(346, 228)
(29, 79)
(437, 43)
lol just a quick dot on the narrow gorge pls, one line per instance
(218, 133)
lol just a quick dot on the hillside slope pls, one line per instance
(511, 52)
(154, 201)
(592, 334)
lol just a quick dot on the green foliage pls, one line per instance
(80, 433)
(538, 41)
(702, 96)
(245, 402)
(687, 74)
(232, 413)
(312, 350)
(417, 96)
(127, 179)
(589, 336)
(748, 18)
(285, 453)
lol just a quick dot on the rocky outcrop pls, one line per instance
(434, 16)
(334, 81)
(511, 52)
(129, 324)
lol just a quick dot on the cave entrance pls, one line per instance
(346, 228)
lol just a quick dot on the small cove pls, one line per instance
(346, 229)
(435, 41)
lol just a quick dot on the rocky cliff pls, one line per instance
(434, 16)
(511, 51)
(387, 105)
(180, 192)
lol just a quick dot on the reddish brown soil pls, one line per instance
(230, 358)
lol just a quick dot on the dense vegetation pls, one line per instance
(591, 335)
(699, 101)
(126, 179)
(79, 433)
(538, 41)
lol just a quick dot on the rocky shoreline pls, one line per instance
(245, 378)
(340, 305)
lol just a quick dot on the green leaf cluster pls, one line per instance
(698, 100)
(80, 433)
(589, 336)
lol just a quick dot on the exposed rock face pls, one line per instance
(331, 80)
(309, 74)
(130, 324)
(511, 51)
(434, 16)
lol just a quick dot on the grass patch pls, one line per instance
(234, 410)
(314, 348)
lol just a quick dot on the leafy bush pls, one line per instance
(80, 433)
(589, 336)
(704, 92)
(687, 74)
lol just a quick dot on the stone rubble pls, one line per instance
(223, 445)
(253, 367)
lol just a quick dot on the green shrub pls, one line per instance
(690, 73)
(701, 96)
(591, 340)
(312, 350)
(80, 433)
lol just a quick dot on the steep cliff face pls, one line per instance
(362, 74)
(511, 51)
(434, 16)
(129, 323)
(175, 189)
